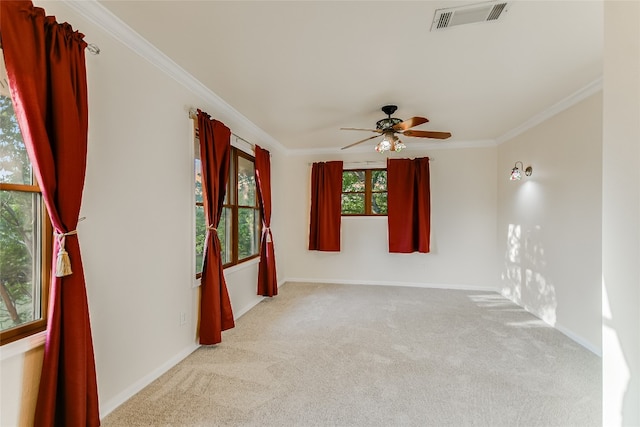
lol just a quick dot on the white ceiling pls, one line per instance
(300, 70)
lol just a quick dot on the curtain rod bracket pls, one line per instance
(93, 49)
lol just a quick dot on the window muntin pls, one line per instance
(364, 192)
(226, 225)
(25, 246)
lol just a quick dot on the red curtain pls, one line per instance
(409, 205)
(267, 278)
(46, 70)
(326, 197)
(216, 314)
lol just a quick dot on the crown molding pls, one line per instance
(557, 108)
(94, 12)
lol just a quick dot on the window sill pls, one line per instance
(242, 265)
(22, 346)
(366, 217)
(234, 268)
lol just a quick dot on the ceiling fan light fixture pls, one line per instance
(384, 145)
(397, 144)
(390, 142)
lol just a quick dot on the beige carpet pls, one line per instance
(346, 355)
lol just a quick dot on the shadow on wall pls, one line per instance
(524, 276)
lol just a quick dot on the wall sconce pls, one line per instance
(516, 175)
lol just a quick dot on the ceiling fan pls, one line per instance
(391, 126)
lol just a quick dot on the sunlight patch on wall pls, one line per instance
(616, 377)
(524, 276)
(530, 202)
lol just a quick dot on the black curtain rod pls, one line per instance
(193, 114)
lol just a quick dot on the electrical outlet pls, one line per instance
(183, 318)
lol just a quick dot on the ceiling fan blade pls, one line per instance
(409, 123)
(427, 134)
(361, 141)
(370, 130)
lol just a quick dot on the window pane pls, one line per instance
(352, 181)
(201, 231)
(379, 203)
(19, 258)
(246, 182)
(353, 203)
(224, 234)
(247, 232)
(198, 168)
(15, 167)
(379, 180)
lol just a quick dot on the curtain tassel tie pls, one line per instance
(212, 228)
(268, 231)
(63, 262)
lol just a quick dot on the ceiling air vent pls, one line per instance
(479, 12)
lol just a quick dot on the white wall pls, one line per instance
(137, 239)
(549, 238)
(621, 215)
(463, 200)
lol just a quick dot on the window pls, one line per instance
(240, 223)
(364, 192)
(246, 209)
(25, 244)
(239, 227)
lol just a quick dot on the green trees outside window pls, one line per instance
(364, 192)
(249, 221)
(23, 222)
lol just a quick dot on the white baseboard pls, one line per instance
(570, 334)
(107, 407)
(578, 339)
(395, 283)
(238, 313)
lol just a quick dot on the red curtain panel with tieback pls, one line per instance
(326, 197)
(216, 314)
(47, 78)
(267, 278)
(409, 205)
